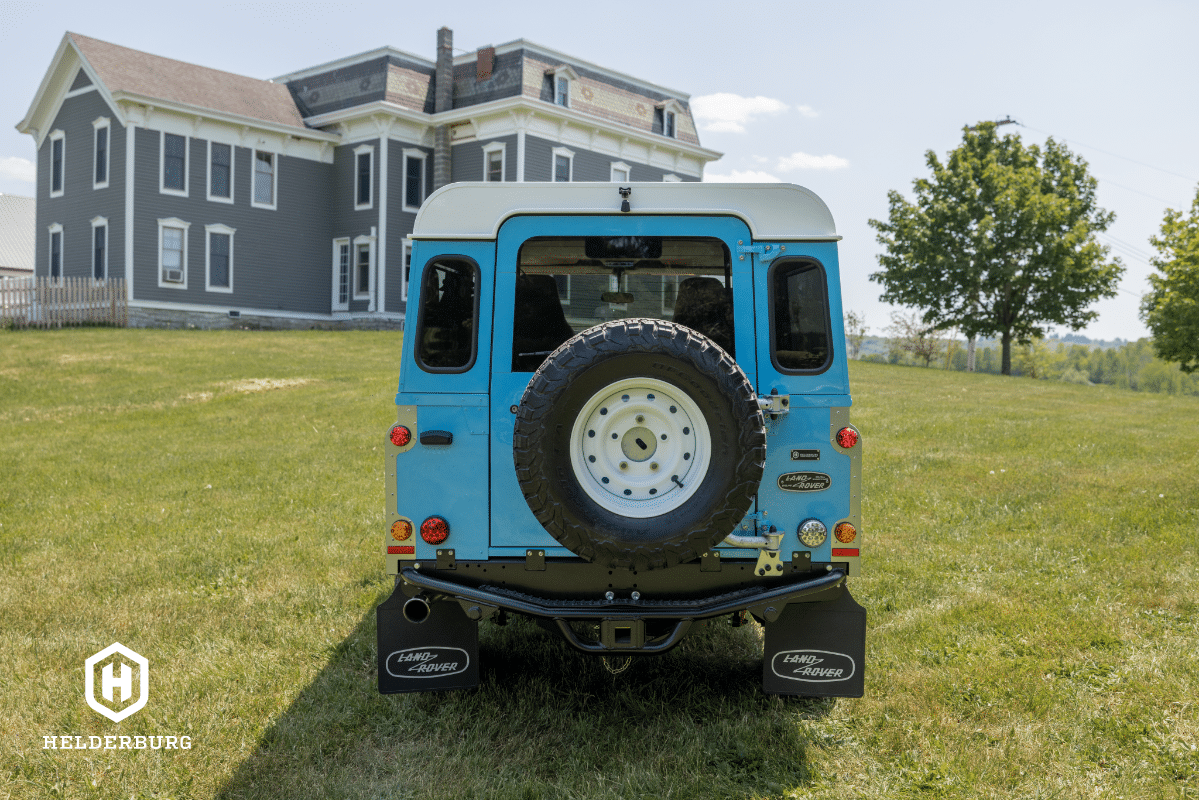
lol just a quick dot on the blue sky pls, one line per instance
(842, 98)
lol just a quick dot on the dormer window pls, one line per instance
(666, 117)
(560, 85)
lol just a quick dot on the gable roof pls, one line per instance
(123, 70)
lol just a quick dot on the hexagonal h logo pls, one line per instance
(117, 681)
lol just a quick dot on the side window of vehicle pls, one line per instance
(449, 315)
(800, 339)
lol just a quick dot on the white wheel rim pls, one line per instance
(640, 447)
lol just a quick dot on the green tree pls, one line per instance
(913, 336)
(1000, 241)
(1170, 309)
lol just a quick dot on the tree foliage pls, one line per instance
(1170, 309)
(999, 241)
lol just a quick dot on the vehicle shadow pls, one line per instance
(546, 721)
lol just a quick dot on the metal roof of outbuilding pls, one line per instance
(771, 210)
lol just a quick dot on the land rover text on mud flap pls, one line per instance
(623, 410)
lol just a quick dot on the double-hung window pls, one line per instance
(619, 172)
(362, 269)
(364, 171)
(56, 252)
(101, 130)
(174, 164)
(341, 274)
(220, 172)
(100, 248)
(669, 124)
(562, 91)
(218, 253)
(414, 179)
(563, 159)
(58, 155)
(172, 253)
(266, 180)
(493, 162)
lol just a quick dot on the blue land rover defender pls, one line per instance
(623, 410)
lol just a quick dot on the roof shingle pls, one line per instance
(128, 70)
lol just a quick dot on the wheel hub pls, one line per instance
(640, 447)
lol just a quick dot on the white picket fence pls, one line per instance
(49, 303)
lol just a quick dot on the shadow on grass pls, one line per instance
(545, 722)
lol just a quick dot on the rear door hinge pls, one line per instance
(765, 252)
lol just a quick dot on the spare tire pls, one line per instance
(639, 443)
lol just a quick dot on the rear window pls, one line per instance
(568, 284)
(800, 339)
(449, 315)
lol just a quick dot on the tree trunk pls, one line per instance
(1006, 353)
(970, 354)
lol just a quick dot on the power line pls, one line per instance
(1106, 152)
(1137, 191)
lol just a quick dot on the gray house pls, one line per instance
(289, 201)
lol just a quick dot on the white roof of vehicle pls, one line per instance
(771, 210)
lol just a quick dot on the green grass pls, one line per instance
(214, 501)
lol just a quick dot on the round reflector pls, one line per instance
(847, 438)
(401, 436)
(812, 533)
(401, 530)
(844, 532)
(435, 530)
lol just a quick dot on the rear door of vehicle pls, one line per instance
(514, 528)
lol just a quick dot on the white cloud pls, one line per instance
(807, 111)
(741, 176)
(18, 169)
(805, 161)
(725, 112)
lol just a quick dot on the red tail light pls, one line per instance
(401, 436)
(847, 438)
(435, 530)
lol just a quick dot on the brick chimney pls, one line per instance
(443, 100)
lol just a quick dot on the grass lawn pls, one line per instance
(214, 500)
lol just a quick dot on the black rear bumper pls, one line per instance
(764, 602)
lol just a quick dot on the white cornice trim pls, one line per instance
(512, 105)
(232, 119)
(38, 118)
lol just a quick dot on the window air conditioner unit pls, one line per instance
(173, 276)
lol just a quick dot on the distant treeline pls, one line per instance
(1131, 365)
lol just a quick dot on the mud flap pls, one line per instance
(816, 649)
(440, 652)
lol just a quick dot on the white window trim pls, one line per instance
(58, 135)
(162, 160)
(274, 204)
(405, 269)
(358, 242)
(671, 117)
(208, 174)
(208, 231)
(671, 177)
(173, 222)
(410, 152)
(570, 156)
(671, 106)
(502, 149)
(618, 165)
(337, 254)
(97, 124)
(62, 240)
(563, 71)
(369, 150)
(98, 222)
